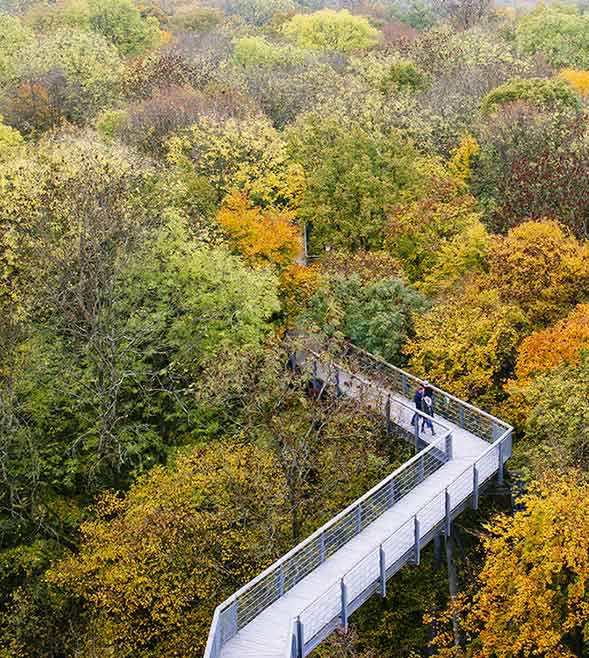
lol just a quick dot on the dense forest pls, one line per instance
(187, 187)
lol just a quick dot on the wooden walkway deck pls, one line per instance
(299, 619)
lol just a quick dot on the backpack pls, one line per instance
(428, 402)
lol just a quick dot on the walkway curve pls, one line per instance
(292, 606)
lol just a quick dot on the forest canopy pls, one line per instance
(189, 189)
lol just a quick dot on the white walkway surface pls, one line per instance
(316, 599)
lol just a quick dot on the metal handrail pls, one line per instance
(390, 366)
(214, 639)
(310, 539)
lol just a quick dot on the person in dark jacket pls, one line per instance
(418, 401)
(427, 406)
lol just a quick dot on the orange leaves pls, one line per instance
(561, 343)
(263, 236)
(577, 79)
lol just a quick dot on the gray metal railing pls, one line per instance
(257, 595)
(333, 607)
(465, 415)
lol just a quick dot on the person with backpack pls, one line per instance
(418, 401)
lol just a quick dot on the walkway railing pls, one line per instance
(252, 599)
(332, 607)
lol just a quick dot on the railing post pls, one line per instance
(344, 598)
(417, 541)
(461, 415)
(448, 524)
(405, 385)
(383, 571)
(280, 578)
(500, 471)
(421, 469)
(449, 453)
(229, 624)
(338, 390)
(475, 487)
(388, 414)
(391, 493)
(322, 548)
(359, 519)
(417, 419)
(300, 638)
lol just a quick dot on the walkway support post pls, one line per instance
(417, 537)
(500, 471)
(383, 571)
(344, 612)
(475, 487)
(388, 414)
(448, 524)
(338, 390)
(300, 638)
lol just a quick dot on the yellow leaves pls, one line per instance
(466, 343)
(154, 563)
(530, 593)
(541, 267)
(263, 236)
(577, 79)
(249, 156)
(462, 157)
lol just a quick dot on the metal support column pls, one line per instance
(300, 638)
(448, 524)
(475, 487)
(383, 572)
(344, 612)
(417, 536)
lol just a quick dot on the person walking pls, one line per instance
(427, 406)
(418, 401)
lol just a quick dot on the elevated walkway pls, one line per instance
(290, 608)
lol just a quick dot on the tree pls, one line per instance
(118, 21)
(64, 76)
(354, 176)
(464, 13)
(152, 593)
(11, 142)
(263, 237)
(260, 12)
(416, 231)
(376, 315)
(331, 30)
(540, 267)
(558, 32)
(532, 165)
(257, 51)
(530, 595)
(562, 343)
(13, 36)
(463, 256)
(546, 94)
(247, 155)
(467, 343)
(577, 79)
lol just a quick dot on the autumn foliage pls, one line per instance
(262, 236)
